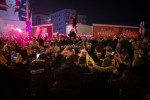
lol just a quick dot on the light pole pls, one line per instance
(27, 13)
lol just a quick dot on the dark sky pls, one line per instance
(116, 12)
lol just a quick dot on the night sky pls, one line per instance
(116, 12)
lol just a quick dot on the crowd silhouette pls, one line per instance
(75, 68)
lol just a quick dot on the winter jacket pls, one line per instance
(133, 82)
(70, 79)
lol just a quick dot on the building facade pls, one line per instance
(81, 19)
(61, 19)
(39, 19)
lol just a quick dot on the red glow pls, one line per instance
(19, 30)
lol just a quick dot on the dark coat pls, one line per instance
(94, 44)
(100, 85)
(101, 45)
(62, 42)
(58, 61)
(114, 44)
(41, 41)
(39, 83)
(69, 79)
(89, 51)
(134, 83)
(72, 42)
(9, 82)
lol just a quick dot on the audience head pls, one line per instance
(34, 39)
(83, 53)
(43, 56)
(29, 51)
(82, 60)
(73, 59)
(3, 60)
(68, 51)
(107, 62)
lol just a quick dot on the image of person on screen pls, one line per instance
(9, 8)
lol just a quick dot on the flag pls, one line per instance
(142, 28)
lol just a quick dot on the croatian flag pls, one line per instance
(142, 28)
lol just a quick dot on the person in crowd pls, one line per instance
(98, 55)
(40, 40)
(134, 82)
(119, 44)
(34, 51)
(6, 76)
(86, 87)
(7, 52)
(7, 45)
(74, 22)
(83, 65)
(48, 52)
(89, 49)
(12, 82)
(140, 37)
(54, 40)
(126, 57)
(46, 44)
(72, 40)
(1, 49)
(106, 41)
(100, 85)
(93, 42)
(62, 41)
(42, 49)
(61, 58)
(110, 58)
(56, 48)
(125, 42)
(144, 47)
(114, 42)
(70, 78)
(89, 60)
(100, 43)
(26, 54)
(84, 41)
(34, 43)
(41, 78)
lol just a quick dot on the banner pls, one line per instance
(129, 32)
(100, 30)
(105, 31)
(44, 30)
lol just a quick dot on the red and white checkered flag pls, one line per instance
(142, 28)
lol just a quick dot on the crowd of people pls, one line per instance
(75, 68)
